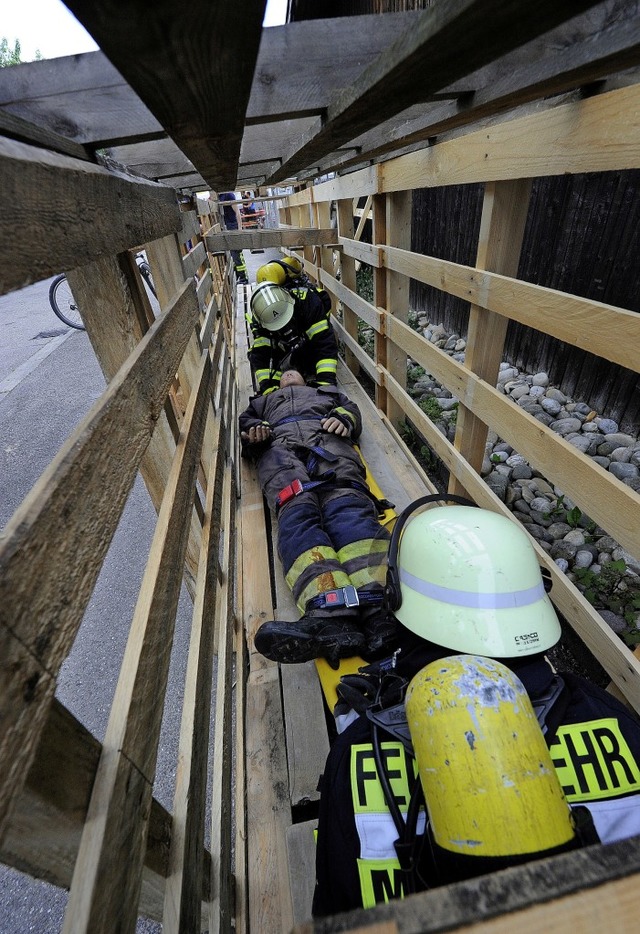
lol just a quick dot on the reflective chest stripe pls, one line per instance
(593, 761)
(378, 867)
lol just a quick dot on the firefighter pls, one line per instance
(290, 330)
(289, 273)
(330, 542)
(464, 580)
(233, 221)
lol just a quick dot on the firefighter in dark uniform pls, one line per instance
(291, 328)
(330, 541)
(463, 580)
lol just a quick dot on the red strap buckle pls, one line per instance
(294, 489)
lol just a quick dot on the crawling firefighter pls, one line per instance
(513, 761)
(290, 326)
(330, 542)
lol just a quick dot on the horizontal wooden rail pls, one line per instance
(266, 239)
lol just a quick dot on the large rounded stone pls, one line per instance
(565, 426)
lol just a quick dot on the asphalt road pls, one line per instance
(49, 378)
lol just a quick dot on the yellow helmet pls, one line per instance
(280, 271)
(271, 306)
(271, 272)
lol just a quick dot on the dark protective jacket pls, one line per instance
(595, 749)
(328, 535)
(294, 414)
(310, 337)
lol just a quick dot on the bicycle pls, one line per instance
(64, 305)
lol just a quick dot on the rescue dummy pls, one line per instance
(291, 329)
(423, 786)
(330, 542)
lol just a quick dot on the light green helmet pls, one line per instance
(271, 306)
(470, 581)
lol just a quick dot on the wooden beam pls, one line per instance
(267, 239)
(504, 215)
(571, 57)
(445, 43)
(198, 90)
(92, 211)
(104, 890)
(44, 832)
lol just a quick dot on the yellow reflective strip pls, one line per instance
(261, 342)
(317, 328)
(270, 389)
(593, 760)
(365, 546)
(262, 374)
(311, 556)
(375, 573)
(380, 881)
(341, 409)
(326, 366)
(366, 789)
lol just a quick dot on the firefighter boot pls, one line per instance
(326, 636)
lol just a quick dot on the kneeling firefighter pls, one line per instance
(465, 752)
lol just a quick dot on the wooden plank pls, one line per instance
(105, 886)
(329, 52)
(544, 895)
(26, 132)
(54, 536)
(612, 504)
(199, 91)
(504, 215)
(578, 54)
(444, 44)
(85, 94)
(221, 911)
(110, 295)
(359, 306)
(352, 346)
(398, 229)
(347, 268)
(269, 239)
(268, 809)
(182, 900)
(301, 849)
(607, 331)
(600, 134)
(192, 261)
(44, 833)
(101, 213)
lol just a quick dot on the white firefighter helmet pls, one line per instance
(271, 306)
(469, 580)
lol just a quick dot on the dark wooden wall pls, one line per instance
(582, 237)
(322, 9)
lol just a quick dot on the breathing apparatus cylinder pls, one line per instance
(487, 776)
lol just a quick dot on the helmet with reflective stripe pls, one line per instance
(271, 306)
(470, 581)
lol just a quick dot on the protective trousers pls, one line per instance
(329, 539)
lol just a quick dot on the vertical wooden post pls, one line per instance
(378, 237)
(397, 296)
(504, 215)
(348, 277)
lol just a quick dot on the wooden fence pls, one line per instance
(81, 813)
